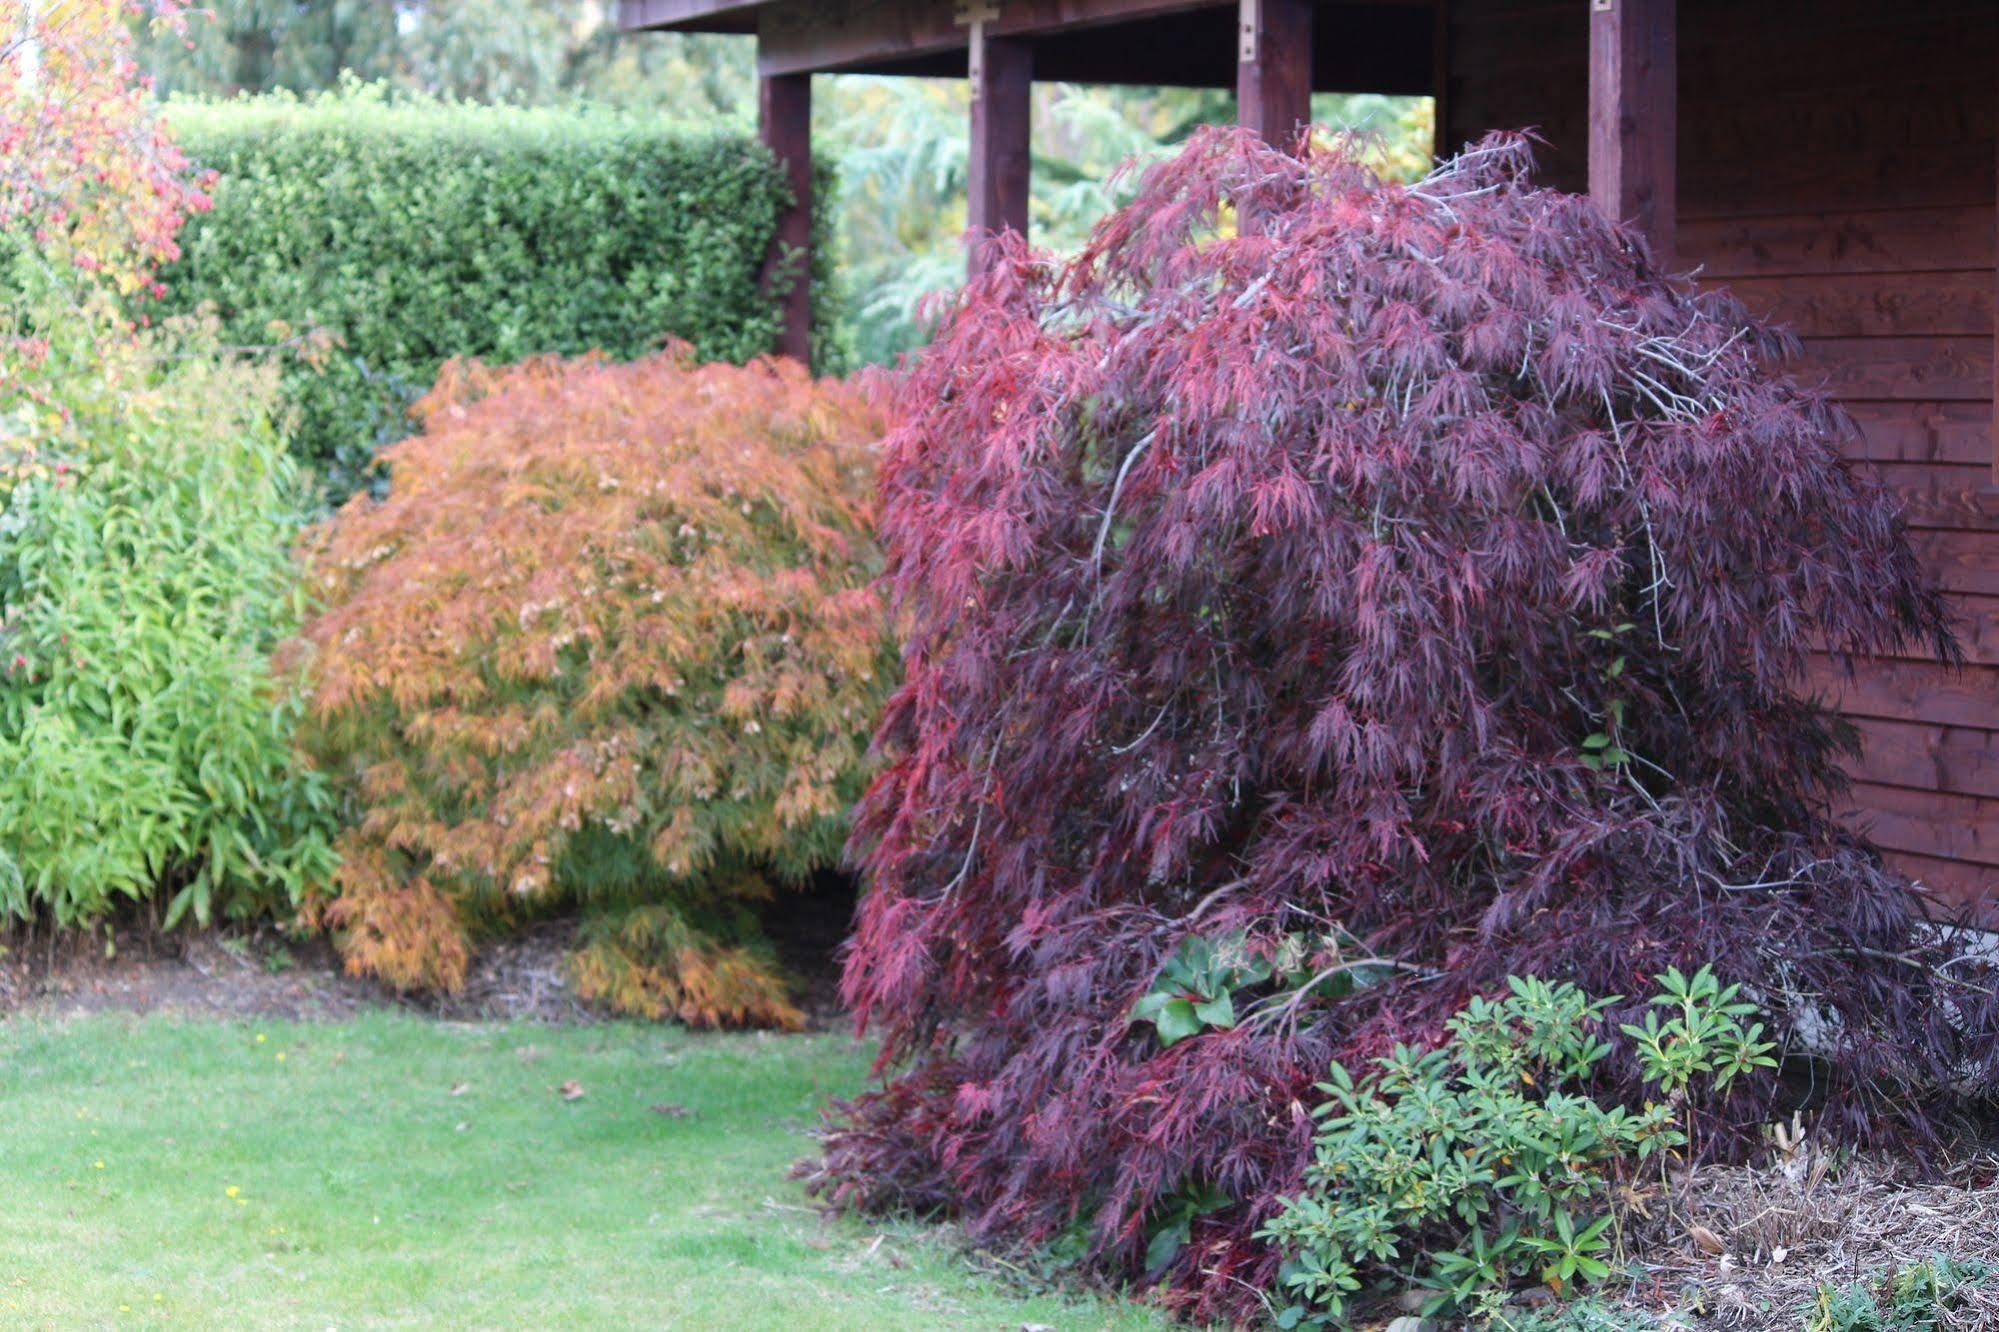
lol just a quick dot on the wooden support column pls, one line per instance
(785, 119)
(1442, 145)
(1002, 76)
(1634, 116)
(1274, 68)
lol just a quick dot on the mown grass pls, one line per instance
(398, 1172)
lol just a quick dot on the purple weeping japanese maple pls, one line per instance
(1414, 567)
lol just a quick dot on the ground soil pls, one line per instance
(131, 966)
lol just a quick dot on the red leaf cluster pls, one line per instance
(1413, 565)
(87, 167)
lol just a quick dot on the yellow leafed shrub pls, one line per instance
(608, 643)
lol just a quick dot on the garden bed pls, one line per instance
(133, 967)
(1767, 1248)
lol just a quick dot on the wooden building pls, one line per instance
(1831, 160)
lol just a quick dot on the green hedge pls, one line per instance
(417, 231)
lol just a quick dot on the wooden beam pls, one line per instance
(1634, 115)
(1274, 68)
(785, 121)
(693, 15)
(1002, 77)
(825, 35)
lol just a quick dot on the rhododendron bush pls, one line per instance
(1314, 621)
(609, 643)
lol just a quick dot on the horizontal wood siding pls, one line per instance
(1837, 173)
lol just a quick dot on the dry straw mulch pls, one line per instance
(1749, 1248)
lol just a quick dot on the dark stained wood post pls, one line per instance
(785, 119)
(1442, 145)
(1002, 76)
(1274, 68)
(1634, 115)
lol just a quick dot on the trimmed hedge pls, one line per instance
(415, 231)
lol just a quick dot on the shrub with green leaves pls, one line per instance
(414, 231)
(147, 508)
(1469, 1167)
(1928, 1296)
(1207, 984)
(1588, 1314)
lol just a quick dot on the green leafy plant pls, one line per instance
(1705, 1037)
(1202, 986)
(1604, 749)
(147, 508)
(1586, 1314)
(1471, 1166)
(413, 230)
(1196, 989)
(1174, 1223)
(1921, 1297)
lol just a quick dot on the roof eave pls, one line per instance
(738, 16)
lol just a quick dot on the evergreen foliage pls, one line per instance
(1478, 1163)
(1410, 565)
(609, 644)
(412, 231)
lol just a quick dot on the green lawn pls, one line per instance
(398, 1172)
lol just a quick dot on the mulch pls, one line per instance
(1748, 1249)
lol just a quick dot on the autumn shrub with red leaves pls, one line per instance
(608, 643)
(1401, 591)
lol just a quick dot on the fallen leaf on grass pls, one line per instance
(1706, 1240)
(571, 1090)
(460, 1088)
(672, 1110)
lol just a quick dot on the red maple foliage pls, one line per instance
(1418, 567)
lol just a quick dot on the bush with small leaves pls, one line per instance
(408, 231)
(608, 644)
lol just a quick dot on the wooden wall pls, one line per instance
(1837, 170)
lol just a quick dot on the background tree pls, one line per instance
(259, 46)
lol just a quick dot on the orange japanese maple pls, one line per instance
(610, 643)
